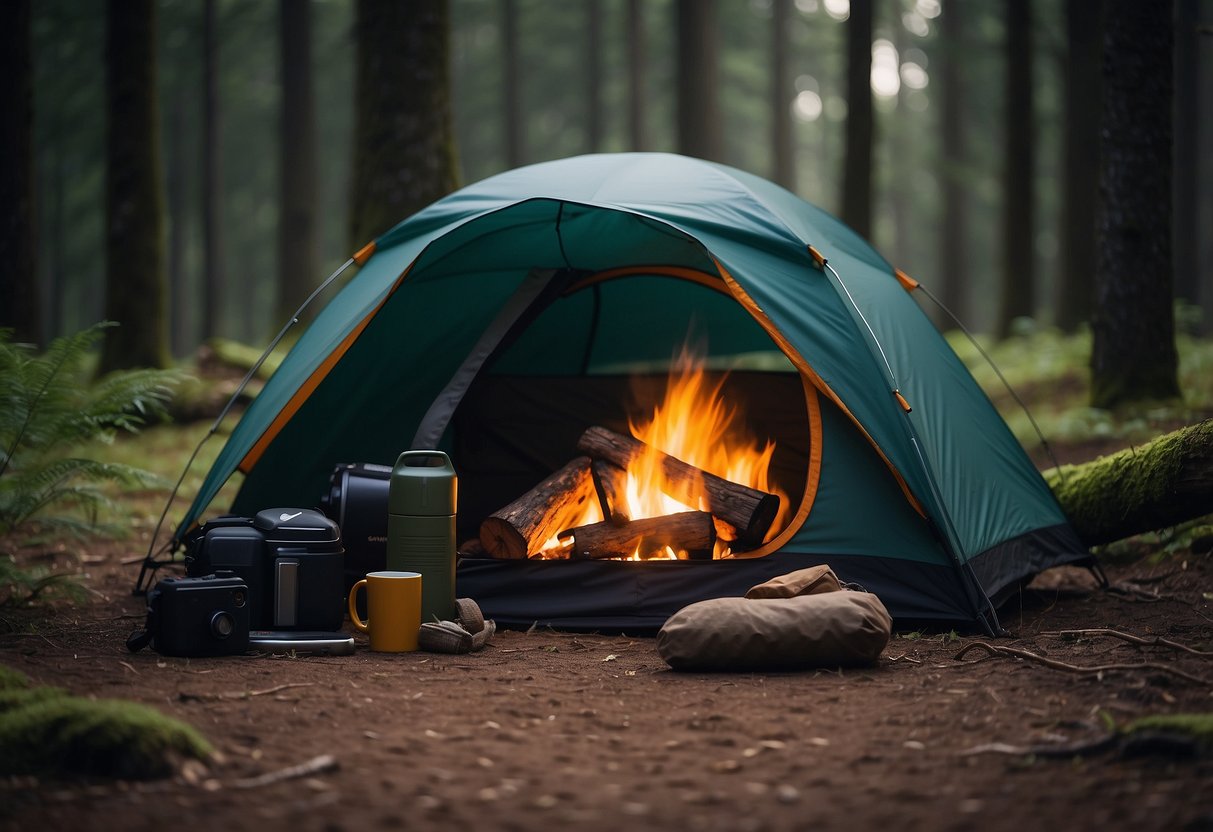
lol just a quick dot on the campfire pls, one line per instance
(689, 482)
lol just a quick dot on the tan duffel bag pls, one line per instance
(831, 629)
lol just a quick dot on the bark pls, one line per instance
(1017, 295)
(1187, 150)
(1081, 143)
(134, 287)
(20, 304)
(860, 125)
(750, 511)
(699, 124)
(404, 144)
(1163, 483)
(1133, 356)
(521, 528)
(692, 532)
(297, 175)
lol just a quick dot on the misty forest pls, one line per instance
(186, 185)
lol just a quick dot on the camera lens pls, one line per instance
(238, 598)
(222, 624)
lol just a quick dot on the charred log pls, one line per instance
(690, 531)
(747, 509)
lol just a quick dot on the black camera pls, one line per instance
(204, 616)
(290, 559)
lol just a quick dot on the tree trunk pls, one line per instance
(954, 163)
(593, 75)
(636, 74)
(784, 167)
(20, 304)
(297, 149)
(181, 304)
(1133, 356)
(1163, 483)
(511, 85)
(1187, 110)
(699, 125)
(1081, 140)
(213, 273)
(404, 145)
(1018, 271)
(134, 287)
(857, 169)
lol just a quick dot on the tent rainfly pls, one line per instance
(504, 319)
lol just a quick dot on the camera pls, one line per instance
(290, 559)
(202, 616)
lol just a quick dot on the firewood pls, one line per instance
(692, 531)
(747, 509)
(610, 481)
(523, 526)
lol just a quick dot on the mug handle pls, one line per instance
(358, 623)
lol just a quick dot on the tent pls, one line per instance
(502, 320)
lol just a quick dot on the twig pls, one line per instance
(1059, 665)
(317, 765)
(1069, 749)
(244, 694)
(1157, 641)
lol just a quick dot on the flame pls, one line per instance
(695, 424)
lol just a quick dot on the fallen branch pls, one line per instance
(1156, 641)
(997, 650)
(1157, 485)
(316, 765)
(1070, 749)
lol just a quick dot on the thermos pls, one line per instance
(421, 528)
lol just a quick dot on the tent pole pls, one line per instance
(951, 538)
(150, 564)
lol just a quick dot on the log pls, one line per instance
(1160, 484)
(747, 509)
(692, 531)
(610, 481)
(522, 527)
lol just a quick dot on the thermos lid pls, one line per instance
(296, 524)
(423, 484)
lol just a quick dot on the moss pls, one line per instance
(11, 698)
(1192, 731)
(12, 679)
(69, 735)
(1196, 726)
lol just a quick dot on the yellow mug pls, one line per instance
(393, 607)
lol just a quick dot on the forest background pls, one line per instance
(980, 127)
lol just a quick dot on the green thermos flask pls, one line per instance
(421, 528)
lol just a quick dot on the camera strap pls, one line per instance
(139, 639)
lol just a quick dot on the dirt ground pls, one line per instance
(548, 730)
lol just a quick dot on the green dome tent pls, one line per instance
(504, 319)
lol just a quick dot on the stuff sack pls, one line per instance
(806, 631)
(811, 581)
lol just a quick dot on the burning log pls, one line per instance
(523, 526)
(692, 531)
(747, 509)
(610, 481)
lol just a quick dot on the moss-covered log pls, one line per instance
(1160, 484)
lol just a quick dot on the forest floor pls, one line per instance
(544, 729)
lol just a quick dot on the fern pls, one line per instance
(49, 403)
